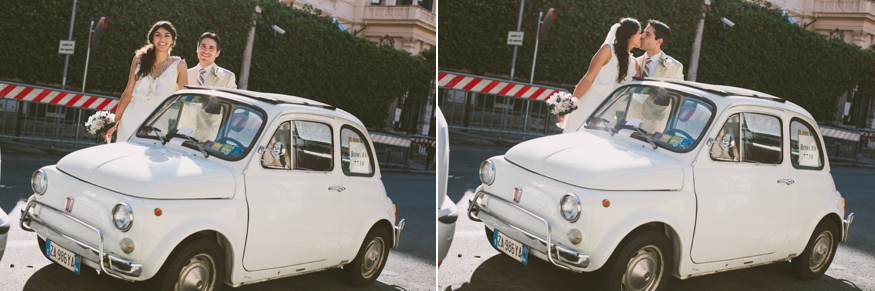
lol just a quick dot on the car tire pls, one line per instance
(642, 261)
(819, 252)
(191, 262)
(489, 234)
(370, 259)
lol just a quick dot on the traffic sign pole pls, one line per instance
(69, 37)
(87, 56)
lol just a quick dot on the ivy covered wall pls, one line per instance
(313, 59)
(763, 51)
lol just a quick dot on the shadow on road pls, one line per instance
(55, 277)
(501, 269)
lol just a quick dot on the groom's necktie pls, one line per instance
(200, 78)
(646, 72)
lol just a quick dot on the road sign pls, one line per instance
(67, 47)
(515, 38)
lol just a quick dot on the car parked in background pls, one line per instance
(220, 187)
(447, 212)
(669, 178)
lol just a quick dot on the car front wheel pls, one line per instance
(819, 252)
(197, 264)
(370, 260)
(643, 261)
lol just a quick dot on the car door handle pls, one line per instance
(786, 181)
(336, 188)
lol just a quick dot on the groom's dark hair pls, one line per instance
(662, 31)
(212, 36)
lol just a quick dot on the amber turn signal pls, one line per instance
(606, 203)
(158, 212)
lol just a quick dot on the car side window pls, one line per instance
(725, 148)
(356, 155)
(805, 149)
(761, 139)
(312, 147)
(276, 154)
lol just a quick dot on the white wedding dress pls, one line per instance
(148, 93)
(604, 83)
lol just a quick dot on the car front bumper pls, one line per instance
(556, 254)
(108, 263)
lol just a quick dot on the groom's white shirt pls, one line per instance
(215, 76)
(666, 66)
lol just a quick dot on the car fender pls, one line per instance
(611, 227)
(181, 219)
(797, 246)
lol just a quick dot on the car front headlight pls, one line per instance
(487, 172)
(569, 205)
(122, 216)
(39, 182)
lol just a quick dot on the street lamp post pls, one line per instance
(247, 53)
(697, 44)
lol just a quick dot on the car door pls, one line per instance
(363, 193)
(742, 197)
(294, 214)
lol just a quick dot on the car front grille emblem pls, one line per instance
(517, 194)
(69, 205)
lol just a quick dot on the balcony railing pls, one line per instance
(858, 6)
(400, 13)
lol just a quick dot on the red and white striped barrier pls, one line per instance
(56, 97)
(458, 81)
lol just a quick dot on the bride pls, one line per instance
(154, 76)
(611, 66)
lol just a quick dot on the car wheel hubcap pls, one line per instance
(373, 257)
(197, 274)
(820, 251)
(644, 269)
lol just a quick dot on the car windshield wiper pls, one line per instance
(156, 131)
(192, 140)
(650, 140)
(606, 124)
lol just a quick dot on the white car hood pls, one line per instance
(586, 160)
(150, 171)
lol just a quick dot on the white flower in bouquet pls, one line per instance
(100, 122)
(561, 103)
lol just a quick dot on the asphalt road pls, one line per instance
(472, 263)
(410, 267)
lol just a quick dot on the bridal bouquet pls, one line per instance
(561, 103)
(100, 122)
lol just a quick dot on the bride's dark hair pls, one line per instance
(147, 52)
(628, 28)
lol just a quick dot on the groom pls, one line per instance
(207, 73)
(654, 62)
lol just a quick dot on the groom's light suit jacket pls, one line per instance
(206, 126)
(674, 70)
(220, 77)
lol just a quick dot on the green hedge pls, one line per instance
(762, 52)
(313, 59)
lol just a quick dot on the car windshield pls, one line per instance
(216, 126)
(670, 119)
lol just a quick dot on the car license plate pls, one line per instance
(63, 257)
(511, 247)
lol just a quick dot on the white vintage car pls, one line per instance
(669, 178)
(220, 187)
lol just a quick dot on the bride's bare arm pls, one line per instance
(602, 57)
(181, 75)
(637, 67)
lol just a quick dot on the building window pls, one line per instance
(375, 2)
